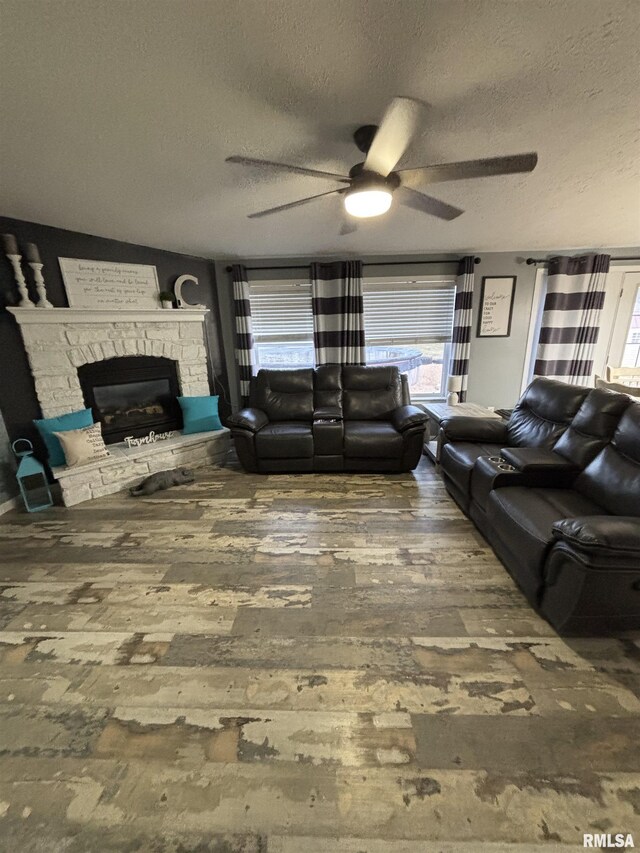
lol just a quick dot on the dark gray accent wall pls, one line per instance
(18, 400)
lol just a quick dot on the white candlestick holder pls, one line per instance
(25, 302)
(42, 302)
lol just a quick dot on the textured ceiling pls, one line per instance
(116, 118)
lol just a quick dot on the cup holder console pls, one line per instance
(501, 463)
(491, 472)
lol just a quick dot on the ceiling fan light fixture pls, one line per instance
(366, 203)
(370, 184)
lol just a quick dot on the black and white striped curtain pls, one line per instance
(338, 327)
(245, 351)
(571, 318)
(461, 337)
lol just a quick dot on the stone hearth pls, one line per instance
(127, 466)
(60, 340)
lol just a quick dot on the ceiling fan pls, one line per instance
(371, 185)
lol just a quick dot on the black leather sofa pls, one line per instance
(541, 416)
(556, 491)
(333, 418)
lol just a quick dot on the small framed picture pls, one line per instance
(496, 306)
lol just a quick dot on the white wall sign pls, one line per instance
(496, 306)
(104, 285)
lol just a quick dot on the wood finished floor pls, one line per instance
(297, 664)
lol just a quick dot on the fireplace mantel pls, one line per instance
(39, 316)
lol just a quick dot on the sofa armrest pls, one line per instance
(619, 533)
(249, 419)
(533, 459)
(459, 428)
(405, 417)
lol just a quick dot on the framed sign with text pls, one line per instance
(496, 306)
(105, 285)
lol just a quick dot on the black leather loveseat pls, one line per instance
(556, 491)
(332, 418)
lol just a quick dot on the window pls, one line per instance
(409, 324)
(619, 340)
(282, 324)
(631, 352)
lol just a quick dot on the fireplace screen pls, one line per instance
(131, 396)
(133, 403)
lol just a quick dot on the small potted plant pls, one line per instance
(166, 298)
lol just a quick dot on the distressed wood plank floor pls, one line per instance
(308, 664)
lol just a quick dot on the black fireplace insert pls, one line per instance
(132, 395)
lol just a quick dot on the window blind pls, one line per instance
(281, 312)
(409, 311)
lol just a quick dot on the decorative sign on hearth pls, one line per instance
(150, 438)
(496, 306)
(105, 285)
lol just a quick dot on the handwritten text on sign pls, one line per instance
(497, 297)
(101, 284)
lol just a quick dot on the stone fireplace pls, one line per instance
(128, 367)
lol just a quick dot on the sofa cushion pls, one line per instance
(370, 393)
(285, 395)
(285, 440)
(523, 518)
(457, 460)
(372, 439)
(543, 413)
(327, 387)
(613, 477)
(592, 427)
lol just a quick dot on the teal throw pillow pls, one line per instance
(63, 423)
(200, 414)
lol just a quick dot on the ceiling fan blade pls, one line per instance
(427, 204)
(394, 135)
(470, 169)
(285, 167)
(292, 204)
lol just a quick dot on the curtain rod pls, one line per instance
(371, 264)
(545, 261)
